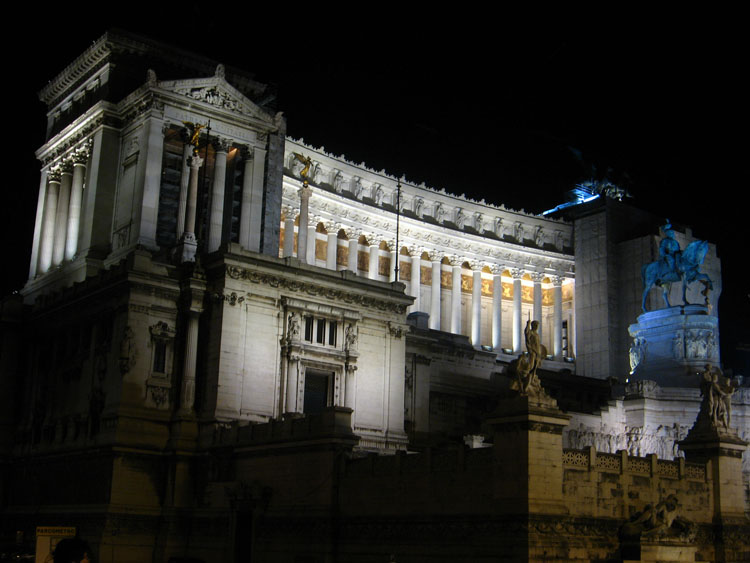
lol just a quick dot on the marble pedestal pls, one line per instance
(671, 345)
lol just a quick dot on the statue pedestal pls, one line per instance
(671, 345)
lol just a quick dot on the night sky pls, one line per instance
(499, 107)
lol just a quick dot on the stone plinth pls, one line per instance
(671, 345)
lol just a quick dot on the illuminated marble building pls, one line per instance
(193, 309)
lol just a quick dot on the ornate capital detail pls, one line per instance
(162, 330)
(397, 331)
(290, 212)
(537, 277)
(55, 175)
(557, 281)
(247, 152)
(455, 260)
(516, 273)
(332, 227)
(497, 269)
(391, 245)
(414, 251)
(221, 144)
(436, 255)
(195, 162)
(372, 239)
(476, 265)
(352, 233)
(314, 220)
(67, 166)
(304, 193)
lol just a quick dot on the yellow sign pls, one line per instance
(47, 538)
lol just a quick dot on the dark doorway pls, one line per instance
(317, 386)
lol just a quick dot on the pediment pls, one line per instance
(219, 93)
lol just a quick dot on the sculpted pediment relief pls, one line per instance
(216, 91)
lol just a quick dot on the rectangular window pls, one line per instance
(160, 356)
(317, 386)
(308, 329)
(320, 336)
(332, 329)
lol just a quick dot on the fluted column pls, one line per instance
(184, 183)
(217, 194)
(374, 257)
(187, 390)
(456, 295)
(312, 237)
(304, 205)
(289, 214)
(557, 317)
(48, 225)
(246, 205)
(61, 217)
(333, 244)
(350, 383)
(38, 225)
(476, 304)
(416, 274)
(188, 244)
(536, 314)
(353, 236)
(292, 384)
(435, 258)
(517, 338)
(497, 307)
(76, 196)
(394, 260)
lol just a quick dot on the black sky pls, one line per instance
(493, 106)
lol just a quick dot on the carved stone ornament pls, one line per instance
(350, 343)
(637, 353)
(292, 330)
(128, 351)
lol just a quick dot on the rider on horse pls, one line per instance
(669, 249)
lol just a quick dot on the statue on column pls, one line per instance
(527, 382)
(717, 393)
(675, 265)
(307, 163)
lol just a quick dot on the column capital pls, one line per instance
(455, 260)
(516, 273)
(55, 174)
(557, 280)
(305, 192)
(414, 250)
(332, 227)
(352, 233)
(289, 210)
(497, 269)
(372, 239)
(537, 277)
(221, 144)
(247, 152)
(66, 167)
(436, 255)
(314, 220)
(476, 265)
(195, 162)
(391, 245)
(81, 156)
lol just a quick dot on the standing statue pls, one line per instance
(717, 393)
(674, 265)
(534, 346)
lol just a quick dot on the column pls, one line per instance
(187, 390)
(188, 244)
(76, 197)
(217, 194)
(38, 225)
(536, 314)
(152, 150)
(61, 217)
(416, 281)
(476, 304)
(517, 333)
(48, 225)
(184, 181)
(394, 260)
(456, 295)
(435, 258)
(349, 388)
(312, 237)
(353, 236)
(374, 255)
(292, 382)
(497, 307)
(289, 214)
(304, 205)
(333, 244)
(557, 317)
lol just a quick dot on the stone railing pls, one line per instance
(590, 460)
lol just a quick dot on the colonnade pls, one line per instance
(411, 256)
(62, 194)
